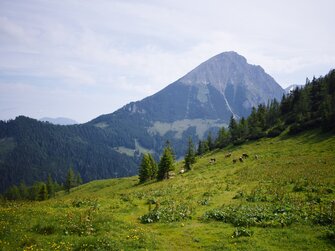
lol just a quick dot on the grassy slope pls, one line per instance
(104, 214)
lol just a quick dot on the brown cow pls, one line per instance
(241, 159)
(227, 155)
(245, 155)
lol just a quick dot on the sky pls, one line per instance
(83, 58)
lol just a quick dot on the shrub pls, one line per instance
(44, 229)
(241, 231)
(170, 213)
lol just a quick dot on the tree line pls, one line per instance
(164, 169)
(41, 190)
(308, 107)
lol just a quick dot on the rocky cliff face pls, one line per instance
(202, 100)
(242, 85)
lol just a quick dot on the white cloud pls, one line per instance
(103, 54)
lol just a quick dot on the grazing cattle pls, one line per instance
(256, 156)
(234, 161)
(181, 171)
(227, 155)
(212, 161)
(241, 159)
(245, 155)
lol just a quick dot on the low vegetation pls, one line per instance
(281, 200)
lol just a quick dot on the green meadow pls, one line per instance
(281, 199)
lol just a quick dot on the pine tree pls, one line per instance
(78, 180)
(43, 191)
(13, 193)
(210, 142)
(223, 138)
(70, 181)
(166, 163)
(148, 168)
(200, 149)
(233, 128)
(24, 194)
(189, 156)
(153, 167)
(50, 187)
(144, 169)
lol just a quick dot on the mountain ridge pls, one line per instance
(111, 144)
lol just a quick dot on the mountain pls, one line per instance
(59, 121)
(201, 101)
(290, 88)
(110, 145)
(31, 149)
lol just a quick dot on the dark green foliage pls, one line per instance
(166, 163)
(242, 232)
(44, 229)
(24, 192)
(305, 108)
(43, 191)
(148, 168)
(78, 179)
(36, 149)
(189, 156)
(247, 216)
(13, 193)
(51, 187)
(70, 180)
(223, 138)
(169, 213)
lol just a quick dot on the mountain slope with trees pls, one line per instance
(31, 150)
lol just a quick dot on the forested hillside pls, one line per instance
(30, 150)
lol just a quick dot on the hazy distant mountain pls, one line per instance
(291, 88)
(59, 121)
(202, 100)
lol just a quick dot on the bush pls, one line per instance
(171, 213)
(44, 229)
(246, 216)
(241, 231)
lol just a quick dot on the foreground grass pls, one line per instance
(280, 201)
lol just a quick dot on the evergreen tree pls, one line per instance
(233, 128)
(189, 156)
(243, 129)
(50, 187)
(166, 163)
(200, 150)
(70, 180)
(33, 191)
(210, 142)
(144, 169)
(43, 191)
(223, 138)
(24, 193)
(148, 168)
(153, 167)
(78, 180)
(13, 193)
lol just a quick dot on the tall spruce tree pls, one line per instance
(166, 163)
(190, 155)
(43, 191)
(233, 128)
(50, 187)
(70, 180)
(148, 168)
